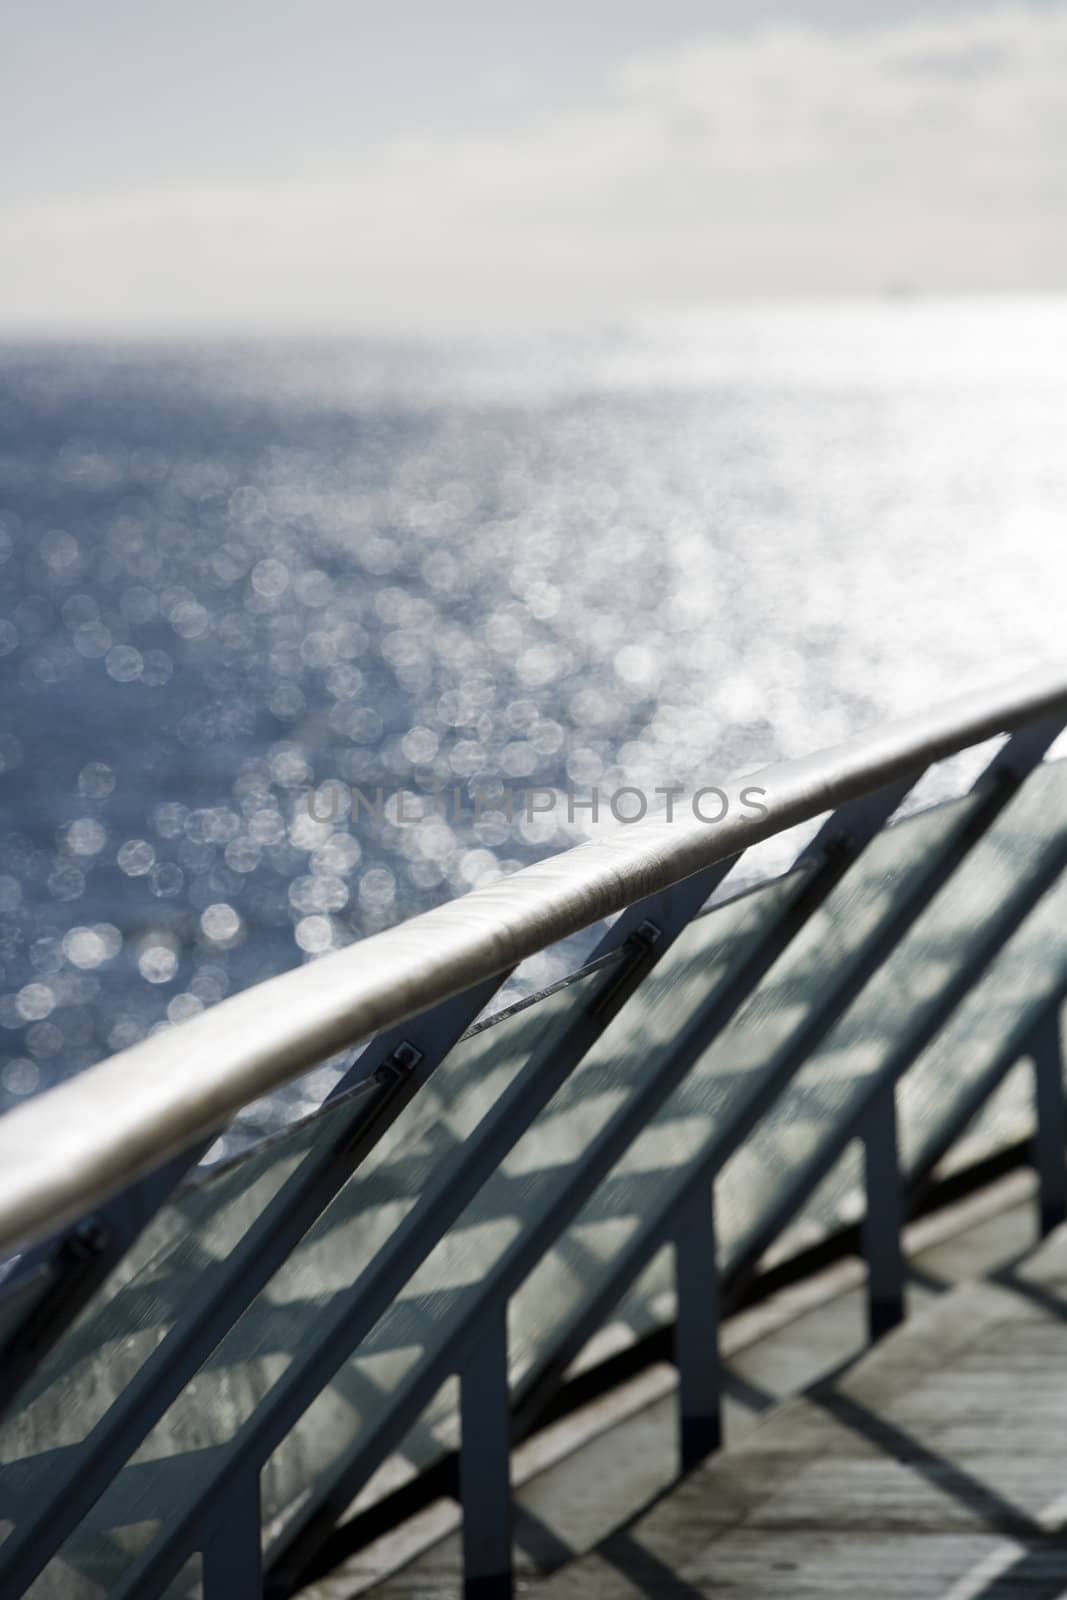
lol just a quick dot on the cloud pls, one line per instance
(791, 160)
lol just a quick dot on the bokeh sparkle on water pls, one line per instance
(647, 556)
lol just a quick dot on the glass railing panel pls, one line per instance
(48, 1432)
(405, 1350)
(1030, 967)
(1028, 975)
(427, 1138)
(731, 1071)
(286, 1317)
(394, 1359)
(633, 1049)
(934, 1093)
(842, 1071)
(129, 1317)
(441, 1295)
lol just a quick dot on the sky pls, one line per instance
(327, 165)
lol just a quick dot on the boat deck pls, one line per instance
(932, 1465)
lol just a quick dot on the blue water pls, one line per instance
(646, 555)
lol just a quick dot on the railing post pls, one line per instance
(485, 1463)
(696, 1331)
(231, 1557)
(883, 1217)
(1050, 1117)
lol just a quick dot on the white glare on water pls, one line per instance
(644, 557)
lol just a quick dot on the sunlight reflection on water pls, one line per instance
(649, 556)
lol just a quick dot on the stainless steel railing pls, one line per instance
(66, 1152)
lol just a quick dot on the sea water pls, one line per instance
(241, 583)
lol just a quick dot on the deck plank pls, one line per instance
(927, 1468)
(936, 1467)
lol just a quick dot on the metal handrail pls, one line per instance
(70, 1149)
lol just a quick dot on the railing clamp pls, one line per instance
(390, 1077)
(637, 948)
(398, 1065)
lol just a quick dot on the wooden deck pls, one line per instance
(937, 1466)
(934, 1465)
